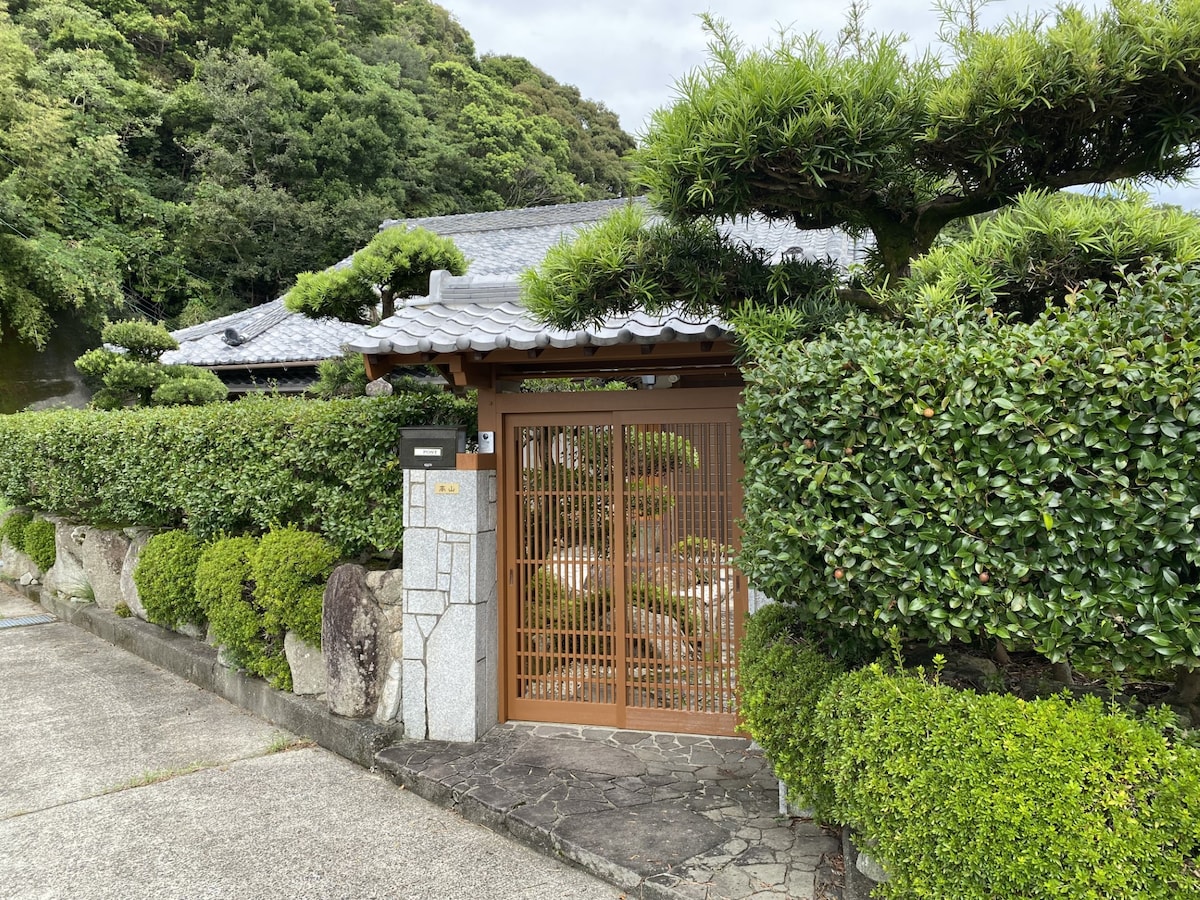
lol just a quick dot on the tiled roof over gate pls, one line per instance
(485, 314)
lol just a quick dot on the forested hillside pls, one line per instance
(189, 158)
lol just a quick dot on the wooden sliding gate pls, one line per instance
(622, 604)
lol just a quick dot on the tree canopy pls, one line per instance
(182, 159)
(625, 263)
(858, 134)
(396, 263)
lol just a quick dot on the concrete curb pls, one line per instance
(196, 662)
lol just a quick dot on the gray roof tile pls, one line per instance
(510, 241)
(268, 334)
(477, 314)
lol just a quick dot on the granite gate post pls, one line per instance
(451, 619)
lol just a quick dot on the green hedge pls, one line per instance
(782, 678)
(968, 476)
(968, 797)
(327, 466)
(165, 576)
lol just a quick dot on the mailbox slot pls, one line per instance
(431, 448)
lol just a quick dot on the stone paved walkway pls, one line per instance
(659, 815)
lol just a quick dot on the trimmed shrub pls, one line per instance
(143, 341)
(233, 468)
(13, 529)
(39, 543)
(189, 386)
(225, 590)
(965, 477)
(135, 376)
(782, 677)
(968, 797)
(289, 571)
(166, 579)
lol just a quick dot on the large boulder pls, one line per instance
(351, 625)
(103, 555)
(67, 576)
(388, 589)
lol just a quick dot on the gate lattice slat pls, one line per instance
(622, 602)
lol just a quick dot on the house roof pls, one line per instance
(264, 335)
(510, 241)
(498, 246)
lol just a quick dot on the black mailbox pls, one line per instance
(431, 447)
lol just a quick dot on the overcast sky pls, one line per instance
(628, 54)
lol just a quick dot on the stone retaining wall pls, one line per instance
(95, 565)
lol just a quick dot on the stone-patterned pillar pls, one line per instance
(451, 621)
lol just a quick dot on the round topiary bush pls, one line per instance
(39, 543)
(13, 529)
(189, 386)
(166, 579)
(289, 571)
(225, 591)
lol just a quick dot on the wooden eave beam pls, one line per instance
(377, 365)
(464, 374)
(632, 353)
(725, 373)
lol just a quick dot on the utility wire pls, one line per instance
(13, 228)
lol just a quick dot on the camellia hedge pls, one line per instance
(971, 476)
(325, 466)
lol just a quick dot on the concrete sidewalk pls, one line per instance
(120, 780)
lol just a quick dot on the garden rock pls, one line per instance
(67, 576)
(387, 586)
(380, 387)
(15, 564)
(351, 622)
(307, 665)
(103, 555)
(129, 592)
(192, 630)
(662, 636)
(391, 652)
(390, 694)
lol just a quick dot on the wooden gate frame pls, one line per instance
(547, 405)
(703, 372)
